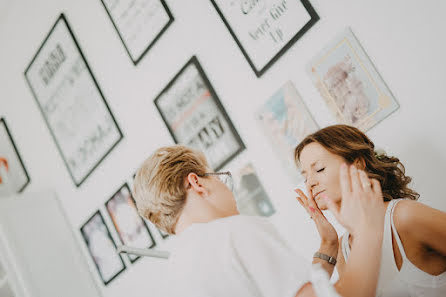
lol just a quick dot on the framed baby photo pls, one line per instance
(130, 226)
(194, 116)
(102, 248)
(139, 23)
(265, 29)
(71, 103)
(13, 175)
(350, 84)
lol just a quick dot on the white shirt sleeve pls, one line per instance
(263, 258)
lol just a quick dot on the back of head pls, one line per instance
(159, 186)
(353, 145)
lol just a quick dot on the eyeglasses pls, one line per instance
(224, 177)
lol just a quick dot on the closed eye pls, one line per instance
(320, 170)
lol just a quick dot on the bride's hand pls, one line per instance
(362, 205)
(326, 231)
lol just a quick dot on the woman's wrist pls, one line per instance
(329, 248)
(369, 231)
(329, 243)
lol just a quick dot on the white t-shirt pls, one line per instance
(234, 256)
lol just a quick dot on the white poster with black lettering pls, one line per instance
(194, 116)
(71, 102)
(139, 23)
(265, 29)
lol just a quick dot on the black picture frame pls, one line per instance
(11, 139)
(152, 43)
(259, 72)
(163, 234)
(84, 236)
(194, 61)
(62, 20)
(146, 228)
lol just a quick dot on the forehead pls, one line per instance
(312, 153)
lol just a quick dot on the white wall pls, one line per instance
(404, 38)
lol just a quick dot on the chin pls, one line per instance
(322, 206)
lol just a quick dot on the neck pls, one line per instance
(195, 215)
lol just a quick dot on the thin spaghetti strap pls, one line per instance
(345, 246)
(395, 233)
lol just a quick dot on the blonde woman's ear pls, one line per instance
(195, 183)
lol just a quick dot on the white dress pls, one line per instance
(239, 256)
(410, 280)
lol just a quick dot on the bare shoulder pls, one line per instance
(406, 212)
(411, 215)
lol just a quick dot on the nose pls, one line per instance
(312, 182)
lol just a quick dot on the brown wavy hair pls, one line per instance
(353, 145)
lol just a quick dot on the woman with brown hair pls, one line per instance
(413, 261)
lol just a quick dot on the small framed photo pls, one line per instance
(349, 83)
(72, 103)
(139, 23)
(286, 121)
(195, 116)
(102, 248)
(265, 29)
(250, 195)
(131, 228)
(13, 175)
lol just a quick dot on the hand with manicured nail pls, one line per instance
(326, 231)
(362, 205)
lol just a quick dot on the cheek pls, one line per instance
(333, 185)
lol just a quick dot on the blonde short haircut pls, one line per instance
(160, 188)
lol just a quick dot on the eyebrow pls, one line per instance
(312, 165)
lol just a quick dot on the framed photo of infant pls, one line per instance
(349, 83)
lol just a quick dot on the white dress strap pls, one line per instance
(345, 246)
(395, 233)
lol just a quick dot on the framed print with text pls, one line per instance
(265, 29)
(71, 102)
(102, 248)
(139, 23)
(195, 116)
(13, 175)
(131, 228)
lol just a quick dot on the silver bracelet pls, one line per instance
(325, 257)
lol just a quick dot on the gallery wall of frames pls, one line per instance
(92, 88)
